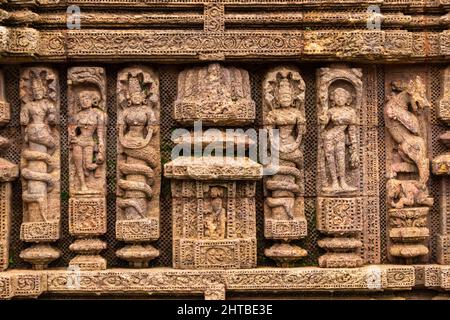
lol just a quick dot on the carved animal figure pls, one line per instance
(402, 122)
(402, 193)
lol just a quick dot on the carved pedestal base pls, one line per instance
(341, 253)
(40, 255)
(340, 219)
(138, 255)
(135, 232)
(88, 257)
(408, 231)
(285, 254)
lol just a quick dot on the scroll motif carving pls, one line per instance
(40, 169)
(139, 168)
(339, 214)
(8, 172)
(284, 111)
(408, 169)
(87, 178)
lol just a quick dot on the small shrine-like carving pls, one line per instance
(408, 169)
(87, 183)
(213, 204)
(139, 169)
(40, 168)
(284, 118)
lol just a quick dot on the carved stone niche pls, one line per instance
(213, 204)
(8, 172)
(214, 94)
(441, 167)
(87, 158)
(284, 119)
(40, 164)
(138, 164)
(406, 119)
(339, 209)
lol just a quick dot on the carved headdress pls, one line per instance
(284, 80)
(38, 78)
(136, 80)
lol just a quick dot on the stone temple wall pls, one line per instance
(348, 99)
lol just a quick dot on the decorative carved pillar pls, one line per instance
(408, 168)
(40, 168)
(441, 167)
(139, 168)
(339, 204)
(284, 118)
(8, 172)
(87, 176)
(213, 206)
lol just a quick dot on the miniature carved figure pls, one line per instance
(339, 133)
(215, 219)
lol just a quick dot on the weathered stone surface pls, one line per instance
(87, 183)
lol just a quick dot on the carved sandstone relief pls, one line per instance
(139, 168)
(441, 167)
(8, 172)
(213, 204)
(284, 118)
(339, 205)
(87, 178)
(408, 167)
(40, 168)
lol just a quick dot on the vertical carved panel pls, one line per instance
(441, 166)
(214, 14)
(8, 173)
(138, 159)
(339, 202)
(213, 206)
(406, 116)
(40, 168)
(284, 118)
(87, 178)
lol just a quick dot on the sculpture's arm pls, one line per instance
(25, 115)
(406, 118)
(101, 124)
(353, 145)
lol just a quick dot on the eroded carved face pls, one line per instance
(418, 95)
(136, 98)
(216, 204)
(285, 96)
(89, 99)
(340, 97)
(38, 90)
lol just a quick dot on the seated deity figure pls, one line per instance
(215, 219)
(87, 138)
(339, 132)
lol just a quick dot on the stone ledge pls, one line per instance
(437, 276)
(30, 283)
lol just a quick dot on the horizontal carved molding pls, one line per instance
(165, 280)
(195, 45)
